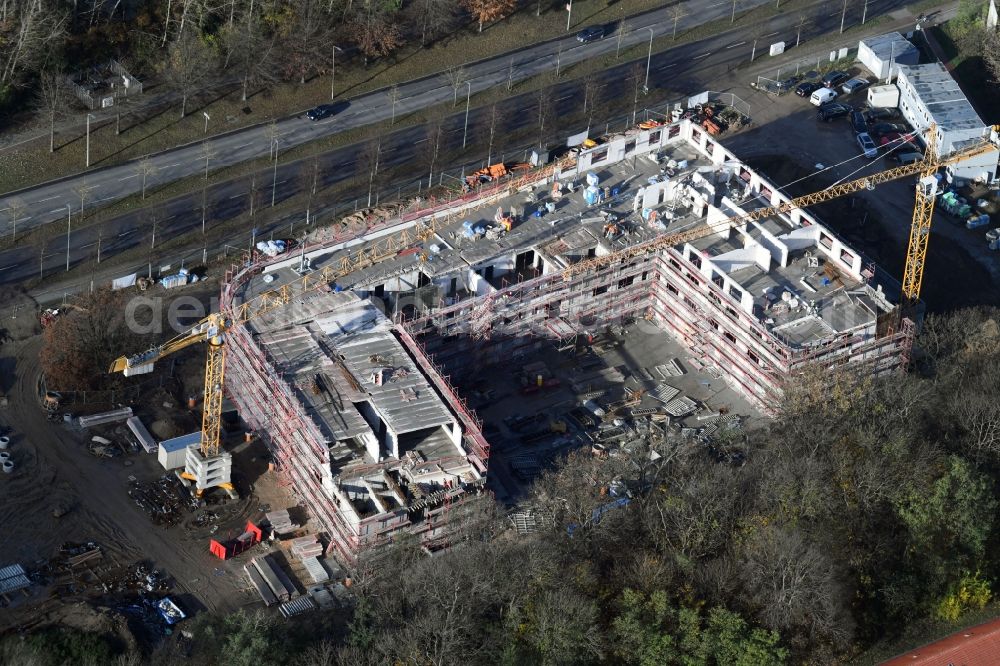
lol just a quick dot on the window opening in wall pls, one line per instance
(710, 147)
(744, 174)
(732, 313)
(673, 131)
(674, 263)
(688, 302)
(599, 155)
(696, 260)
(672, 289)
(825, 241)
(715, 297)
(591, 253)
(630, 147)
(696, 135)
(729, 336)
(627, 282)
(846, 257)
(766, 193)
(643, 275)
(736, 293)
(717, 279)
(600, 290)
(654, 137)
(714, 324)
(753, 357)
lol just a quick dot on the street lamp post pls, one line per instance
(333, 67)
(69, 226)
(468, 97)
(207, 118)
(569, 13)
(649, 58)
(89, 116)
(274, 179)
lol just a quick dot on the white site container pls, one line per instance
(883, 96)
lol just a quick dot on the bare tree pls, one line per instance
(456, 78)
(52, 98)
(369, 159)
(435, 18)
(145, 168)
(545, 108)
(843, 17)
(28, 36)
(249, 54)
(374, 31)
(485, 11)
(491, 119)
(189, 64)
(991, 53)
(15, 209)
(591, 88)
(393, 95)
(637, 77)
(254, 193)
(83, 191)
(435, 132)
(676, 16)
(799, 25)
(623, 29)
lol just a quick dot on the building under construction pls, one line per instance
(357, 406)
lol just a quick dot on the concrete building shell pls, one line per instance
(757, 303)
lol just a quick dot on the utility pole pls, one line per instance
(864, 13)
(468, 97)
(89, 116)
(569, 13)
(69, 227)
(333, 67)
(843, 17)
(732, 19)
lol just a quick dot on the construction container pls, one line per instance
(173, 452)
(883, 96)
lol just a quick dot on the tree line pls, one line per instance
(192, 42)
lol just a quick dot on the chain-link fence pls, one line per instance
(785, 77)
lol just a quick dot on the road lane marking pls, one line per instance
(135, 175)
(49, 199)
(126, 233)
(733, 46)
(703, 55)
(9, 267)
(673, 64)
(770, 35)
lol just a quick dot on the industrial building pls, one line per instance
(356, 406)
(928, 94)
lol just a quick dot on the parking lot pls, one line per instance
(797, 150)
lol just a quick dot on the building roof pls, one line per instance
(331, 349)
(947, 105)
(975, 646)
(891, 45)
(182, 442)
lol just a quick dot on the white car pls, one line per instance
(867, 145)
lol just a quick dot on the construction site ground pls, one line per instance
(787, 142)
(634, 350)
(121, 503)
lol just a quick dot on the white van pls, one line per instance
(822, 96)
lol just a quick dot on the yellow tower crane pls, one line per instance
(212, 329)
(923, 213)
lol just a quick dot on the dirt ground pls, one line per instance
(53, 468)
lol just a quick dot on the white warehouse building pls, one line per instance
(928, 94)
(883, 54)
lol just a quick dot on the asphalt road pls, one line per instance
(48, 202)
(688, 68)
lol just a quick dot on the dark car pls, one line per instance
(807, 88)
(881, 113)
(835, 78)
(832, 110)
(320, 112)
(858, 122)
(591, 34)
(881, 129)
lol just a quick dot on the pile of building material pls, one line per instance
(269, 580)
(142, 435)
(113, 416)
(12, 579)
(670, 369)
(297, 606)
(317, 572)
(307, 546)
(280, 521)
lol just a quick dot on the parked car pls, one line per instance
(858, 122)
(807, 88)
(867, 145)
(835, 78)
(822, 96)
(832, 111)
(905, 158)
(591, 34)
(895, 140)
(881, 129)
(854, 85)
(882, 113)
(320, 112)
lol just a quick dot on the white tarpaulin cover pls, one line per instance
(124, 282)
(576, 139)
